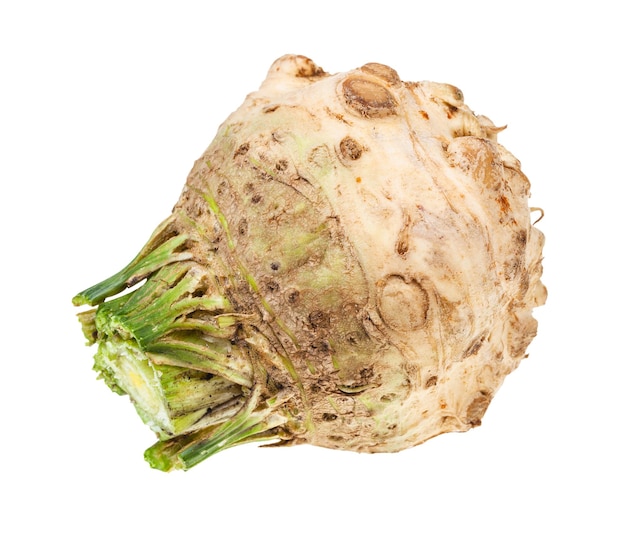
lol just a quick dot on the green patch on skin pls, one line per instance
(212, 204)
(332, 402)
(311, 367)
(262, 167)
(298, 246)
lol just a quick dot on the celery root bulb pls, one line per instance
(351, 264)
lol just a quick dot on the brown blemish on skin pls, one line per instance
(293, 296)
(242, 228)
(512, 269)
(319, 319)
(474, 347)
(382, 71)
(350, 149)
(477, 158)
(282, 165)
(402, 244)
(242, 149)
(367, 373)
(273, 286)
(432, 381)
(321, 346)
(297, 66)
(307, 68)
(402, 247)
(338, 116)
(477, 408)
(402, 305)
(368, 98)
(222, 188)
(505, 206)
(451, 110)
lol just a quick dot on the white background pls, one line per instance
(103, 109)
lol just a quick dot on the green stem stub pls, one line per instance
(253, 422)
(171, 345)
(152, 257)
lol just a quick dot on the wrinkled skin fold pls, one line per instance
(351, 264)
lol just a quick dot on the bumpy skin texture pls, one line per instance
(375, 244)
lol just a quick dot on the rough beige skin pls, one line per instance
(375, 243)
